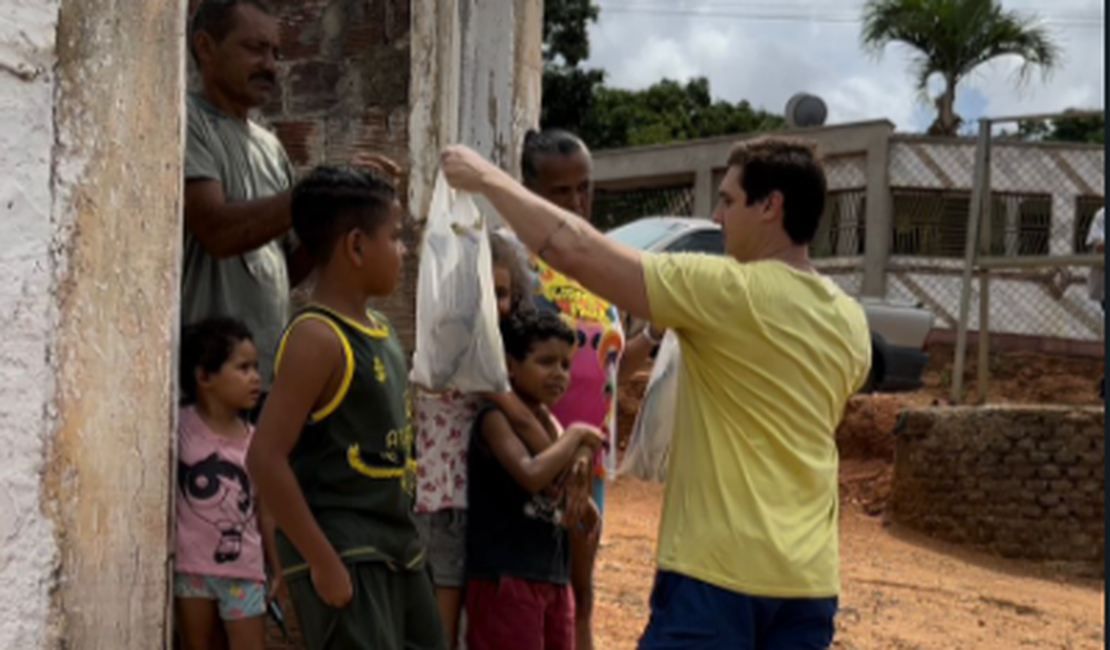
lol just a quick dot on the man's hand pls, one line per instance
(587, 435)
(332, 582)
(382, 164)
(464, 168)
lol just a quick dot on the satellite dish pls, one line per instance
(805, 110)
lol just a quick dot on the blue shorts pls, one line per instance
(687, 614)
(599, 495)
(236, 599)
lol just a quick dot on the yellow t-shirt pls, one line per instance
(770, 356)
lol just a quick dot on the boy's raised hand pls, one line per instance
(589, 436)
(332, 583)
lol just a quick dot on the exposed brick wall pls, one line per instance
(344, 88)
(344, 79)
(1023, 482)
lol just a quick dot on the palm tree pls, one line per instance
(952, 38)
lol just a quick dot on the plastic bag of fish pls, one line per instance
(458, 342)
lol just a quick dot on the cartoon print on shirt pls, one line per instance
(208, 489)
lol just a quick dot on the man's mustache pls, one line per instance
(264, 76)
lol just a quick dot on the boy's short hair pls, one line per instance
(790, 166)
(332, 201)
(207, 345)
(524, 329)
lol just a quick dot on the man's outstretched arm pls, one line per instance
(566, 242)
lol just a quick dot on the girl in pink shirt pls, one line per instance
(222, 538)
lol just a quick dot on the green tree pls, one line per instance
(952, 38)
(668, 111)
(577, 99)
(568, 90)
(1088, 130)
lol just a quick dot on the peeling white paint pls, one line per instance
(27, 545)
(476, 69)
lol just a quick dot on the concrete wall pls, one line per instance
(90, 162)
(1023, 482)
(117, 215)
(28, 549)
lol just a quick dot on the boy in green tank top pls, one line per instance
(334, 445)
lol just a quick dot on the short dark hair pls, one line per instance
(207, 345)
(524, 329)
(538, 144)
(331, 201)
(217, 18)
(509, 256)
(791, 167)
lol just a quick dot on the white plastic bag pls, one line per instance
(649, 447)
(458, 343)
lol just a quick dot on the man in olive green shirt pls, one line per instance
(240, 259)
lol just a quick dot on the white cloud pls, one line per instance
(766, 62)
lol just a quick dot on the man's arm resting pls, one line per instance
(228, 229)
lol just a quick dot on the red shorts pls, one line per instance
(518, 614)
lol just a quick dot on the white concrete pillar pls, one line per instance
(90, 189)
(476, 78)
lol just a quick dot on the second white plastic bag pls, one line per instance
(458, 342)
(649, 447)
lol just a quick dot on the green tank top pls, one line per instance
(354, 460)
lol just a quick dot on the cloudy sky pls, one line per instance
(765, 52)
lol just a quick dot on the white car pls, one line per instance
(899, 333)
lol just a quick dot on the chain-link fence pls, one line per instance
(1024, 231)
(614, 207)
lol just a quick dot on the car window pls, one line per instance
(642, 235)
(702, 241)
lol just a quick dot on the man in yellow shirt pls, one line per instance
(771, 351)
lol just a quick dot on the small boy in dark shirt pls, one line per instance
(517, 593)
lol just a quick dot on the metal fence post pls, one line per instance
(973, 220)
(983, 181)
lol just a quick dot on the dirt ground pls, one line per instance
(900, 590)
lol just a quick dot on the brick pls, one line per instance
(1023, 471)
(1032, 511)
(1078, 472)
(1039, 486)
(1062, 486)
(303, 141)
(1026, 444)
(365, 27)
(1066, 457)
(385, 73)
(1061, 511)
(400, 19)
(314, 86)
(1049, 472)
(1000, 445)
(1052, 445)
(302, 29)
(1049, 499)
(1039, 457)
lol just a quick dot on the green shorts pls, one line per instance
(391, 609)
